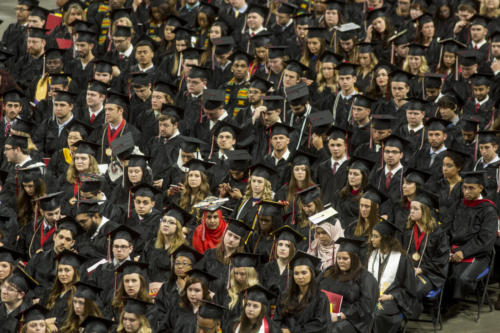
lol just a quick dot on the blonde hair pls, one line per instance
(321, 81)
(25, 327)
(235, 289)
(128, 23)
(178, 238)
(72, 174)
(268, 192)
(424, 67)
(487, 12)
(74, 6)
(144, 328)
(373, 63)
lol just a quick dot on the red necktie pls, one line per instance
(334, 170)
(121, 56)
(388, 179)
(92, 118)
(253, 34)
(7, 129)
(475, 47)
(477, 107)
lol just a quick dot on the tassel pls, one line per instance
(309, 137)
(203, 222)
(109, 249)
(116, 283)
(36, 215)
(129, 203)
(272, 254)
(211, 148)
(181, 60)
(476, 148)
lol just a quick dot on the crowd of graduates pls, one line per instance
(246, 166)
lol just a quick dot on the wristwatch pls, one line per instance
(339, 316)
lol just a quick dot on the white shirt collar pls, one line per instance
(496, 159)
(128, 52)
(145, 69)
(20, 165)
(483, 101)
(443, 148)
(212, 123)
(393, 171)
(61, 126)
(285, 156)
(250, 31)
(104, 220)
(96, 112)
(416, 129)
(340, 162)
(480, 44)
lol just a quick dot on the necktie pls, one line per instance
(433, 156)
(92, 118)
(7, 129)
(121, 56)
(475, 47)
(253, 34)
(388, 179)
(412, 132)
(477, 107)
(112, 132)
(335, 166)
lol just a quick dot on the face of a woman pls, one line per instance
(36, 326)
(168, 225)
(202, 19)
(428, 29)
(240, 275)
(448, 59)
(261, 53)
(231, 240)
(379, 25)
(450, 170)
(194, 179)
(328, 70)
(257, 184)
(409, 188)
(182, 265)
(265, 223)
(415, 211)
(252, 309)
(314, 45)
(415, 13)
(283, 249)
(212, 220)
(375, 239)
(74, 137)
(323, 236)
(444, 11)
(331, 17)
(302, 275)
(75, 14)
(364, 59)
(79, 305)
(415, 62)
(65, 274)
(364, 207)
(130, 322)
(82, 162)
(300, 172)
(168, 32)
(215, 32)
(134, 174)
(195, 293)
(309, 209)
(5, 270)
(382, 78)
(344, 261)
(132, 284)
(355, 177)
(29, 187)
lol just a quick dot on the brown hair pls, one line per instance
(72, 322)
(143, 294)
(362, 229)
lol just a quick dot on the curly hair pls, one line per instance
(268, 192)
(235, 288)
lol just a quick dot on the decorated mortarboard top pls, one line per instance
(288, 233)
(309, 194)
(416, 176)
(348, 30)
(188, 252)
(325, 216)
(372, 193)
(211, 203)
(386, 228)
(93, 324)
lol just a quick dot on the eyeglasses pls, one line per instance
(9, 288)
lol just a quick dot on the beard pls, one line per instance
(92, 230)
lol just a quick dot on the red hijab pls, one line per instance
(205, 238)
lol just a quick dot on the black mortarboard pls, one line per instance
(297, 67)
(240, 55)
(213, 98)
(182, 33)
(488, 137)
(257, 293)
(348, 31)
(140, 79)
(433, 80)
(260, 83)
(337, 132)
(321, 121)
(363, 101)
(204, 276)
(210, 9)
(124, 232)
(495, 36)
(281, 129)
(347, 68)
(199, 165)
(238, 159)
(87, 290)
(132, 267)
(297, 94)
(262, 39)
(65, 96)
(288, 233)
(480, 79)
(301, 258)
(399, 38)
(309, 194)
(452, 45)
(122, 31)
(223, 44)
(86, 37)
(123, 145)
(470, 122)
(188, 252)
(117, 98)
(474, 177)
(361, 163)
(68, 223)
(50, 201)
(172, 110)
(190, 145)
(365, 47)
(87, 206)
(70, 258)
(256, 8)
(316, 32)
(424, 18)
(329, 56)
(93, 324)
(262, 170)
(29, 3)
(245, 260)
(104, 66)
(427, 198)
(145, 190)
(335, 5)
(120, 12)
(415, 104)
(86, 147)
(467, 58)
(175, 21)
(83, 26)
(375, 13)
(37, 33)
(273, 102)
(225, 126)
(23, 125)
(287, 8)
(394, 140)
(437, 124)
(136, 306)
(165, 87)
(416, 176)
(276, 51)
(386, 228)
(382, 121)
(178, 213)
(303, 158)
(13, 95)
(34, 312)
(192, 53)
(239, 228)
(78, 126)
(372, 193)
(480, 20)
(417, 49)
(98, 86)
(401, 76)
(271, 208)
(210, 310)
(349, 245)
(304, 19)
(17, 141)
(59, 78)
(198, 72)
(22, 280)
(138, 160)
(9, 255)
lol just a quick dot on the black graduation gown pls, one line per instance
(47, 137)
(275, 281)
(399, 214)
(163, 151)
(486, 112)
(9, 322)
(447, 200)
(27, 69)
(247, 211)
(159, 265)
(60, 309)
(42, 267)
(260, 244)
(210, 264)
(147, 226)
(83, 114)
(331, 184)
(14, 37)
(347, 208)
(416, 139)
(193, 112)
(179, 317)
(422, 161)
(58, 167)
(491, 175)
(96, 247)
(313, 318)
(80, 74)
(377, 178)
(100, 136)
(359, 299)
(30, 239)
(373, 154)
(283, 170)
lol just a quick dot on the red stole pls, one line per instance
(117, 132)
(44, 237)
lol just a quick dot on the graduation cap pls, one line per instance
(297, 94)
(338, 132)
(239, 227)
(85, 37)
(437, 124)
(198, 72)
(5, 53)
(144, 190)
(309, 194)
(296, 67)
(348, 31)
(34, 312)
(474, 177)
(427, 198)
(349, 245)
(424, 18)
(29, 3)
(399, 38)
(87, 206)
(50, 201)
(140, 79)
(182, 33)
(192, 53)
(347, 68)
(495, 36)
(433, 80)
(467, 58)
(365, 47)
(132, 267)
(382, 121)
(288, 233)
(363, 101)
(117, 98)
(54, 53)
(488, 137)
(321, 121)
(470, 122)
(83, 26)
(335, 5)
(258, 9)
(78, 126)
(304, 19)
(86, 147)
(93, 324)
(210, 310)
(22, 280)
(213, 98)
(199, 165)
(37, 33)
(480, 20)
(303, 158)
(416, 176)
(262, 170)
(119, 13)
(386, 228)
(208, 8)
(287, 8)
(190, 144)
(376, 13)
(245, 259)
(301, 258)
(178, 213)
(98, 86)
(260, 83)
(373, 194)
(138, 160)
(122, 145)
(480, 79)
(68, 223)
(262, 39)
(316, 32)
(60, 78)
(281, 129)
(401, 76)
(223, 44)
(175, 21)
(17, 141)
(188, 252)
(104, 66)
(165, 87)
(9, 255)
(122, 31)
(273, 102)
(172, 110)
(331, 57)
(257, 293)
(325, 216)
(417, 49)
(394, 140)
(90, 182)
(361, 163)
(31, 173)
(415, 104)
(124, 232)
(238, 159)
(71, 258)
(65, 96)
(240, 55)
(452, 45)
(225, 126)
(87, 290)
(204, 276)
(13, 95)
(136, 306)
(271, 208)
